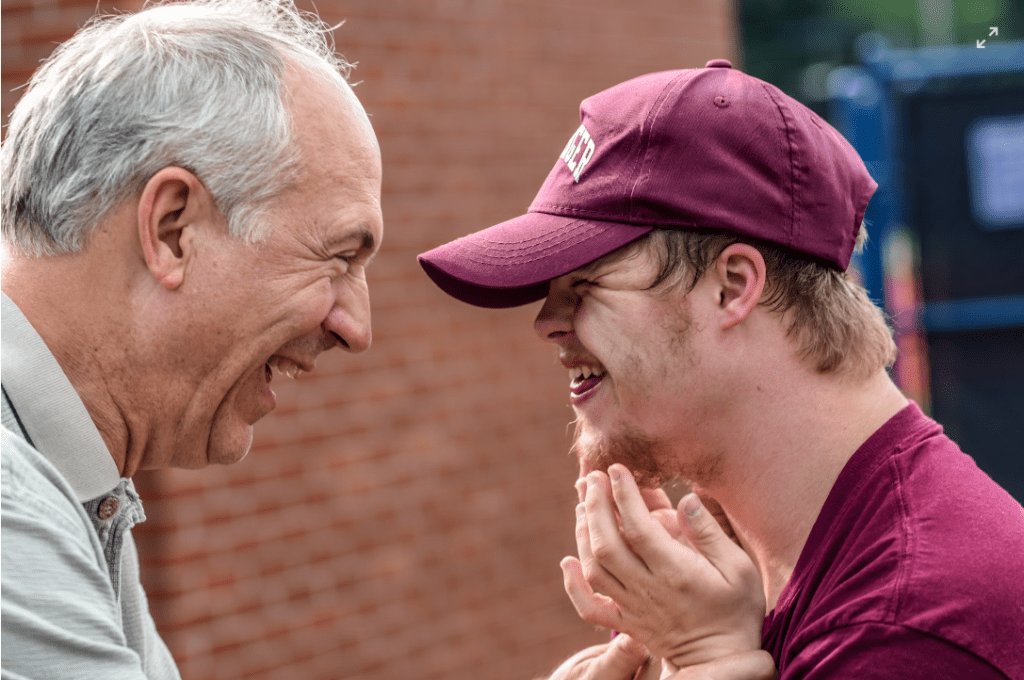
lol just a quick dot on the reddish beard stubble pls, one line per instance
(652, 461)
(632, 449)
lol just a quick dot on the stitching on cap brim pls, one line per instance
(499, 259)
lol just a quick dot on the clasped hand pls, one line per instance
(690, 595)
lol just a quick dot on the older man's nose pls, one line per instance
(349, 321)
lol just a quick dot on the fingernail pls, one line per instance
(691, 505)
(615, 474)
(581, 488)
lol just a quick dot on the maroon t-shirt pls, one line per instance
(914, 569)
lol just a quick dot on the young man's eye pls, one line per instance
(581, 282)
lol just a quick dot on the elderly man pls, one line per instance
(191, 197)
(691, 245)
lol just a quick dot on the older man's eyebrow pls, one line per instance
(362, 234)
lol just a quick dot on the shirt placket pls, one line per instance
(113, 515)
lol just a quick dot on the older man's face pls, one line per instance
(279, 303)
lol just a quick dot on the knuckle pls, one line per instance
(590, 614)
(635, 535)
(602, 550)
(591, 571)
(598, 581)
(677, 581)
(705, 530)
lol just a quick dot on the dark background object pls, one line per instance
(916, 116)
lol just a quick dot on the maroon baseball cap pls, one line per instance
(709, 149)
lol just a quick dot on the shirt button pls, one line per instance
(108, 508)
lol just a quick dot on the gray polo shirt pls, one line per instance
(72, 603)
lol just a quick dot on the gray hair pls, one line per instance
(199, 85)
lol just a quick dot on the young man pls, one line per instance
(691, 243)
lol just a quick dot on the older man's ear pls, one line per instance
(173, 204)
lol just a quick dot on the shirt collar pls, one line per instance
(51, 410)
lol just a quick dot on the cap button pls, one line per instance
(718, 63)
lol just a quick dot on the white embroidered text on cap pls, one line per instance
(578, 151)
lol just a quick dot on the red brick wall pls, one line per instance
(403, 512)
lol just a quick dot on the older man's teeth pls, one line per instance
(286, 366)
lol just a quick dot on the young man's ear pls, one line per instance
(172, 204)
(741, 275)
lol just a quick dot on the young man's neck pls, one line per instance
(788, 449)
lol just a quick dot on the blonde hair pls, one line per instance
(833, 321)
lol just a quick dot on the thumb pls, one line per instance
(706, 534)
(615, 660)
(621, 661)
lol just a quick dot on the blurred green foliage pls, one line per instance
(794, 43)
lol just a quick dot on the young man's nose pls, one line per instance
(554, 321)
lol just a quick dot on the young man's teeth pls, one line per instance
(579, 373)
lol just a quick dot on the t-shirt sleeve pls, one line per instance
(60, 618)
(871, 651)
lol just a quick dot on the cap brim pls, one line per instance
(512, 263)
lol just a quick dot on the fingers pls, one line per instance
(605, 544)
(656, 499)
(715, 508)
(651, 670)
(616, 660)
(593, 568)
(621, 661)
(753, 665)
(667, 519)
(592, 607)
(661, 509)
(706, 535)
(646, 535)
(575, 666)
(657, 502)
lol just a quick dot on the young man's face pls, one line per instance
(637, 382)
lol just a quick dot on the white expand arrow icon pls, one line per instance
(993, 30)
(981, 44)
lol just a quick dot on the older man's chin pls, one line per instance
(227, 446)
(230, 433)
(231, 429)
